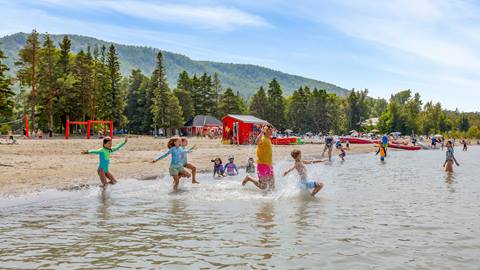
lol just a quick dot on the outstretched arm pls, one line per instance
(97, 151)
(289, 171)
(120, 145)
(312, 161)
(162, 156)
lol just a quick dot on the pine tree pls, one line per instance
(115, 94)
(28, 71)
(6, 94)
(160, 91)
(83, 73)
(135, 109)
(196, 95)
(69, 96)
(217, 90)
(258, 106)
(276, 105)
(298, 110)
(182, 92)
(47, 78)
(173, 109)
(207, 96)
(229, 103)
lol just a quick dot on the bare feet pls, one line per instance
(245, 181)
(195, 182)
(317, 188)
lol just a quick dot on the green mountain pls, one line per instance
(241, 77)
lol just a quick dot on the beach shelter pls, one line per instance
(201, 125)
(241, 129)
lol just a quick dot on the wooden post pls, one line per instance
(27, 135)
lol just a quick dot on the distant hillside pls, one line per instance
(240, 77)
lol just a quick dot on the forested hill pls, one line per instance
(240, 77)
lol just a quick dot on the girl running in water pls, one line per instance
(266, 179)
(299, 165)
(450, 158)
(104, 154)
(176, 169)
(187, 165)
(340, 148)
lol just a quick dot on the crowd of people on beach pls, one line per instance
(261, 175)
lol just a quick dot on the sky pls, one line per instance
(431, 47)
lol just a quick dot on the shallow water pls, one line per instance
(405, 213)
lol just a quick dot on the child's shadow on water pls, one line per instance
(450, 180)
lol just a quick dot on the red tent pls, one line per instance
(241, 129)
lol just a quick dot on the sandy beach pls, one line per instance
(35, 165)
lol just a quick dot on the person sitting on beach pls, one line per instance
(230, 167)
(450, 158)
(340, 148)
(187, 165)
(176, 169)
(106, 177)
(218, 168)
(250, 168)
(266, 179)
(299, 165)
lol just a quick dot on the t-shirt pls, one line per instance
(264, 151)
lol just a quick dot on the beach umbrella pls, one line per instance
(375, 130)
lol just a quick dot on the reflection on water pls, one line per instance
(404, 213)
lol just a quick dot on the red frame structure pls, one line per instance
(89, 126)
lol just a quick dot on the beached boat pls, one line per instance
(405, 147)
(356, 140)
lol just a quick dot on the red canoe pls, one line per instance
(356, 141)
(284, 141)
(404, 147)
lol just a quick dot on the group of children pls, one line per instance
(230, 169)
(178, 150)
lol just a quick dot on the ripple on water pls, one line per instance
(406, 213)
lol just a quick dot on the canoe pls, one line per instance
(356, 140)
(404, 147)
(284, 141)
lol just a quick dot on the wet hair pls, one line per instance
(171, 142)
(295, 153)
(184, 139)
(106, 140)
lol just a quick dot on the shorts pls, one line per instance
(307, 184)
(176, 170)
(264, 171)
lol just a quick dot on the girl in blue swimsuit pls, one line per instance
(104, 155)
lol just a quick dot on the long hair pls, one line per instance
(171, 142)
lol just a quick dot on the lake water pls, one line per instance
(403, 214)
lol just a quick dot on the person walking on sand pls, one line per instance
(106, 177)
(450, 158)
(176, 169)
(266, 179)
(299, 165)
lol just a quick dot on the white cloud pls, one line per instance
(213, 17)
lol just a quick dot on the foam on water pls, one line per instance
(405, 212)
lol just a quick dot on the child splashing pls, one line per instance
(187, 165)
(266, 179)
(104, 154)
(299, 165)
(340, 148)
(176, 169)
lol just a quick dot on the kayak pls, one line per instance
(356, 141)
(404, 147)
(285, 141)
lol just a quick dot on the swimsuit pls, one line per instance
(218, 169)
(231, 169)
(104, 155)
(176, 163)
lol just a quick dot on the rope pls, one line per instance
(14, 121)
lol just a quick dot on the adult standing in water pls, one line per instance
(450, 158)
(328, 146)
(266, 179)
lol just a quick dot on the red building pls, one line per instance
(202, 125)
(241, 129)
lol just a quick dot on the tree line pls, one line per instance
(57, 84)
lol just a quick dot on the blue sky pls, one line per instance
(430, 47)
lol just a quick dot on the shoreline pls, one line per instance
(38, 165)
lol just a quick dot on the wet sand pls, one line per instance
(35, 165)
